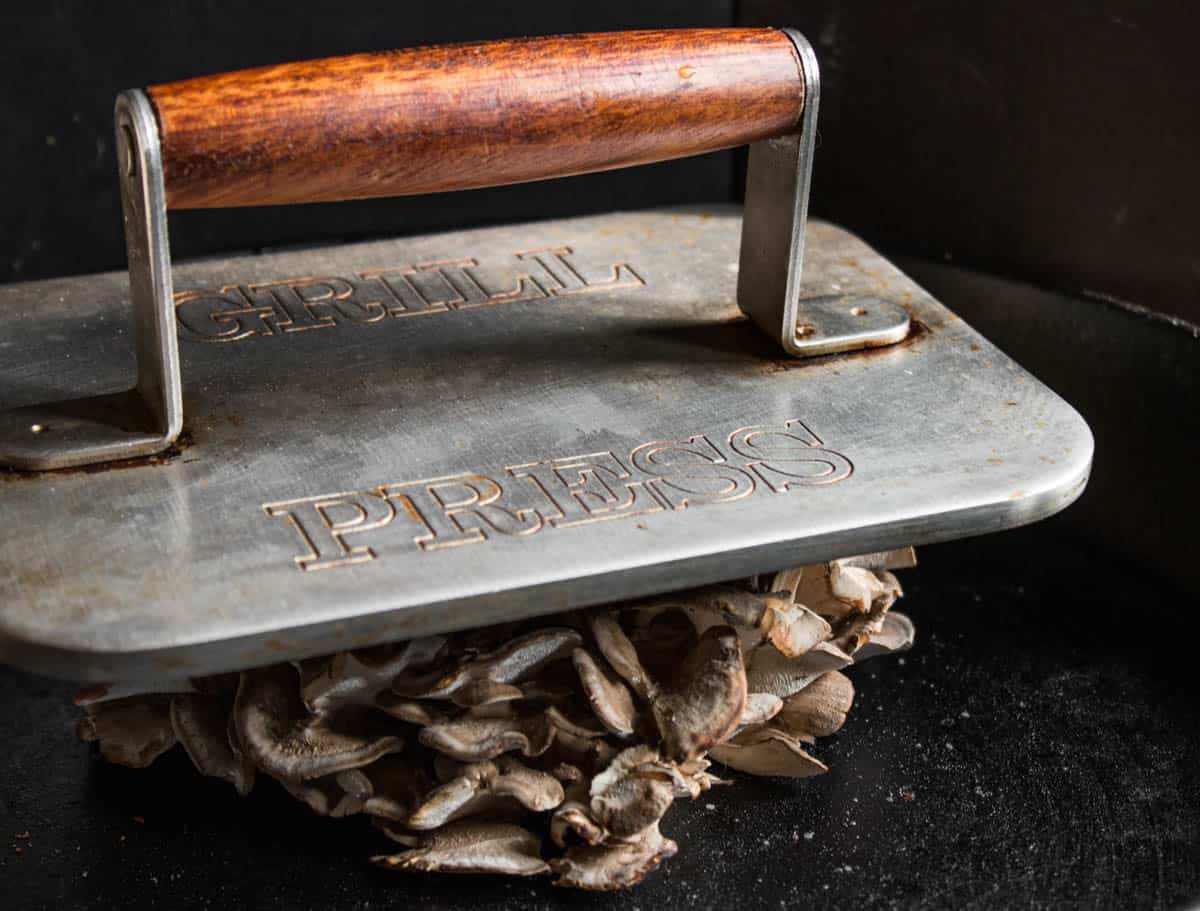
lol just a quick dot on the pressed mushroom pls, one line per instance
(280, 736)
(133, 731)
(325, 796)
(468, 846)
(502, 786)
(389, 788)
(631, 793)
(201, 724)
(745, 673)
(769, 671)
(356, 678)
(414, 711)
(768, 751)
(819, 709)
(896, 635)
(619, 865)
(479, 678)
(760, 708)
(610, 700)
(616, 648)
(709, 701)
(477, 739)
(795, 629)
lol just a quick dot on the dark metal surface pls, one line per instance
(1038, 749)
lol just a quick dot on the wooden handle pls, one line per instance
(471, 115)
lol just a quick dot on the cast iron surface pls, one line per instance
(367, 464)
(1037, 749)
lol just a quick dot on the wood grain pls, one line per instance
(471, 115)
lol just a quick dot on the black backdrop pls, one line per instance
(62, 64)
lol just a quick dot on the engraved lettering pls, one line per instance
(792, 457)
(221, 315)
(459, 509)
(661, 476)
(587, 488)
(569, 280)
(690, 472)
(235, 312)
(323, 524)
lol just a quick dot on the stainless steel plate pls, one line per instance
(399, 437)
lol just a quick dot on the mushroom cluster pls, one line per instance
(552, 746)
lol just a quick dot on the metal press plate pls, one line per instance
(393, 438)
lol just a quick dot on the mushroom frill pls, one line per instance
(552, 747)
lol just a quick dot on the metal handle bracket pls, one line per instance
(148, 418)
(771, 262)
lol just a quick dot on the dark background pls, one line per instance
(1034, 165)
(1051, 141)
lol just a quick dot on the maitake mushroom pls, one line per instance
(594, 723)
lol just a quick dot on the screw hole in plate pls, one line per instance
(38, 428)
(858, 311)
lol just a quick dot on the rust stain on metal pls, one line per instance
(167, 456)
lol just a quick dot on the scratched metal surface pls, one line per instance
(217, 558)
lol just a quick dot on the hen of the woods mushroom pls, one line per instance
(552, 746)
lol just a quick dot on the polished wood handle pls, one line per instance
(471, 115)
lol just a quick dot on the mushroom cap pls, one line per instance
(795, 629)
(896, 635)
(201, 724)
(133, 731)
(631, 793)
(611, 702)
(280, 736)
(819, 709)
(512, 662)
(468, 846)
(619, 865)
(768, 751)
(770, 671)
(476, 739)
(616, 648)
(506, 786)
(706, 707)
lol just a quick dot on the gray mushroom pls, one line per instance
(760, 708)
(279, 735)
(819, 709)
(794, 630)
(706, 707)
(631, 793)
(477, 739)
(324, 796)
(480, 678)
(610, 700)
(619, 652)
(389, 788)
(468, 846)
(133, 731)
(201, 724)
(356, 678)
(768, 751)
(770, 671)
(617, 865)
(499, 787)
(896, 635)
(414, 711)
